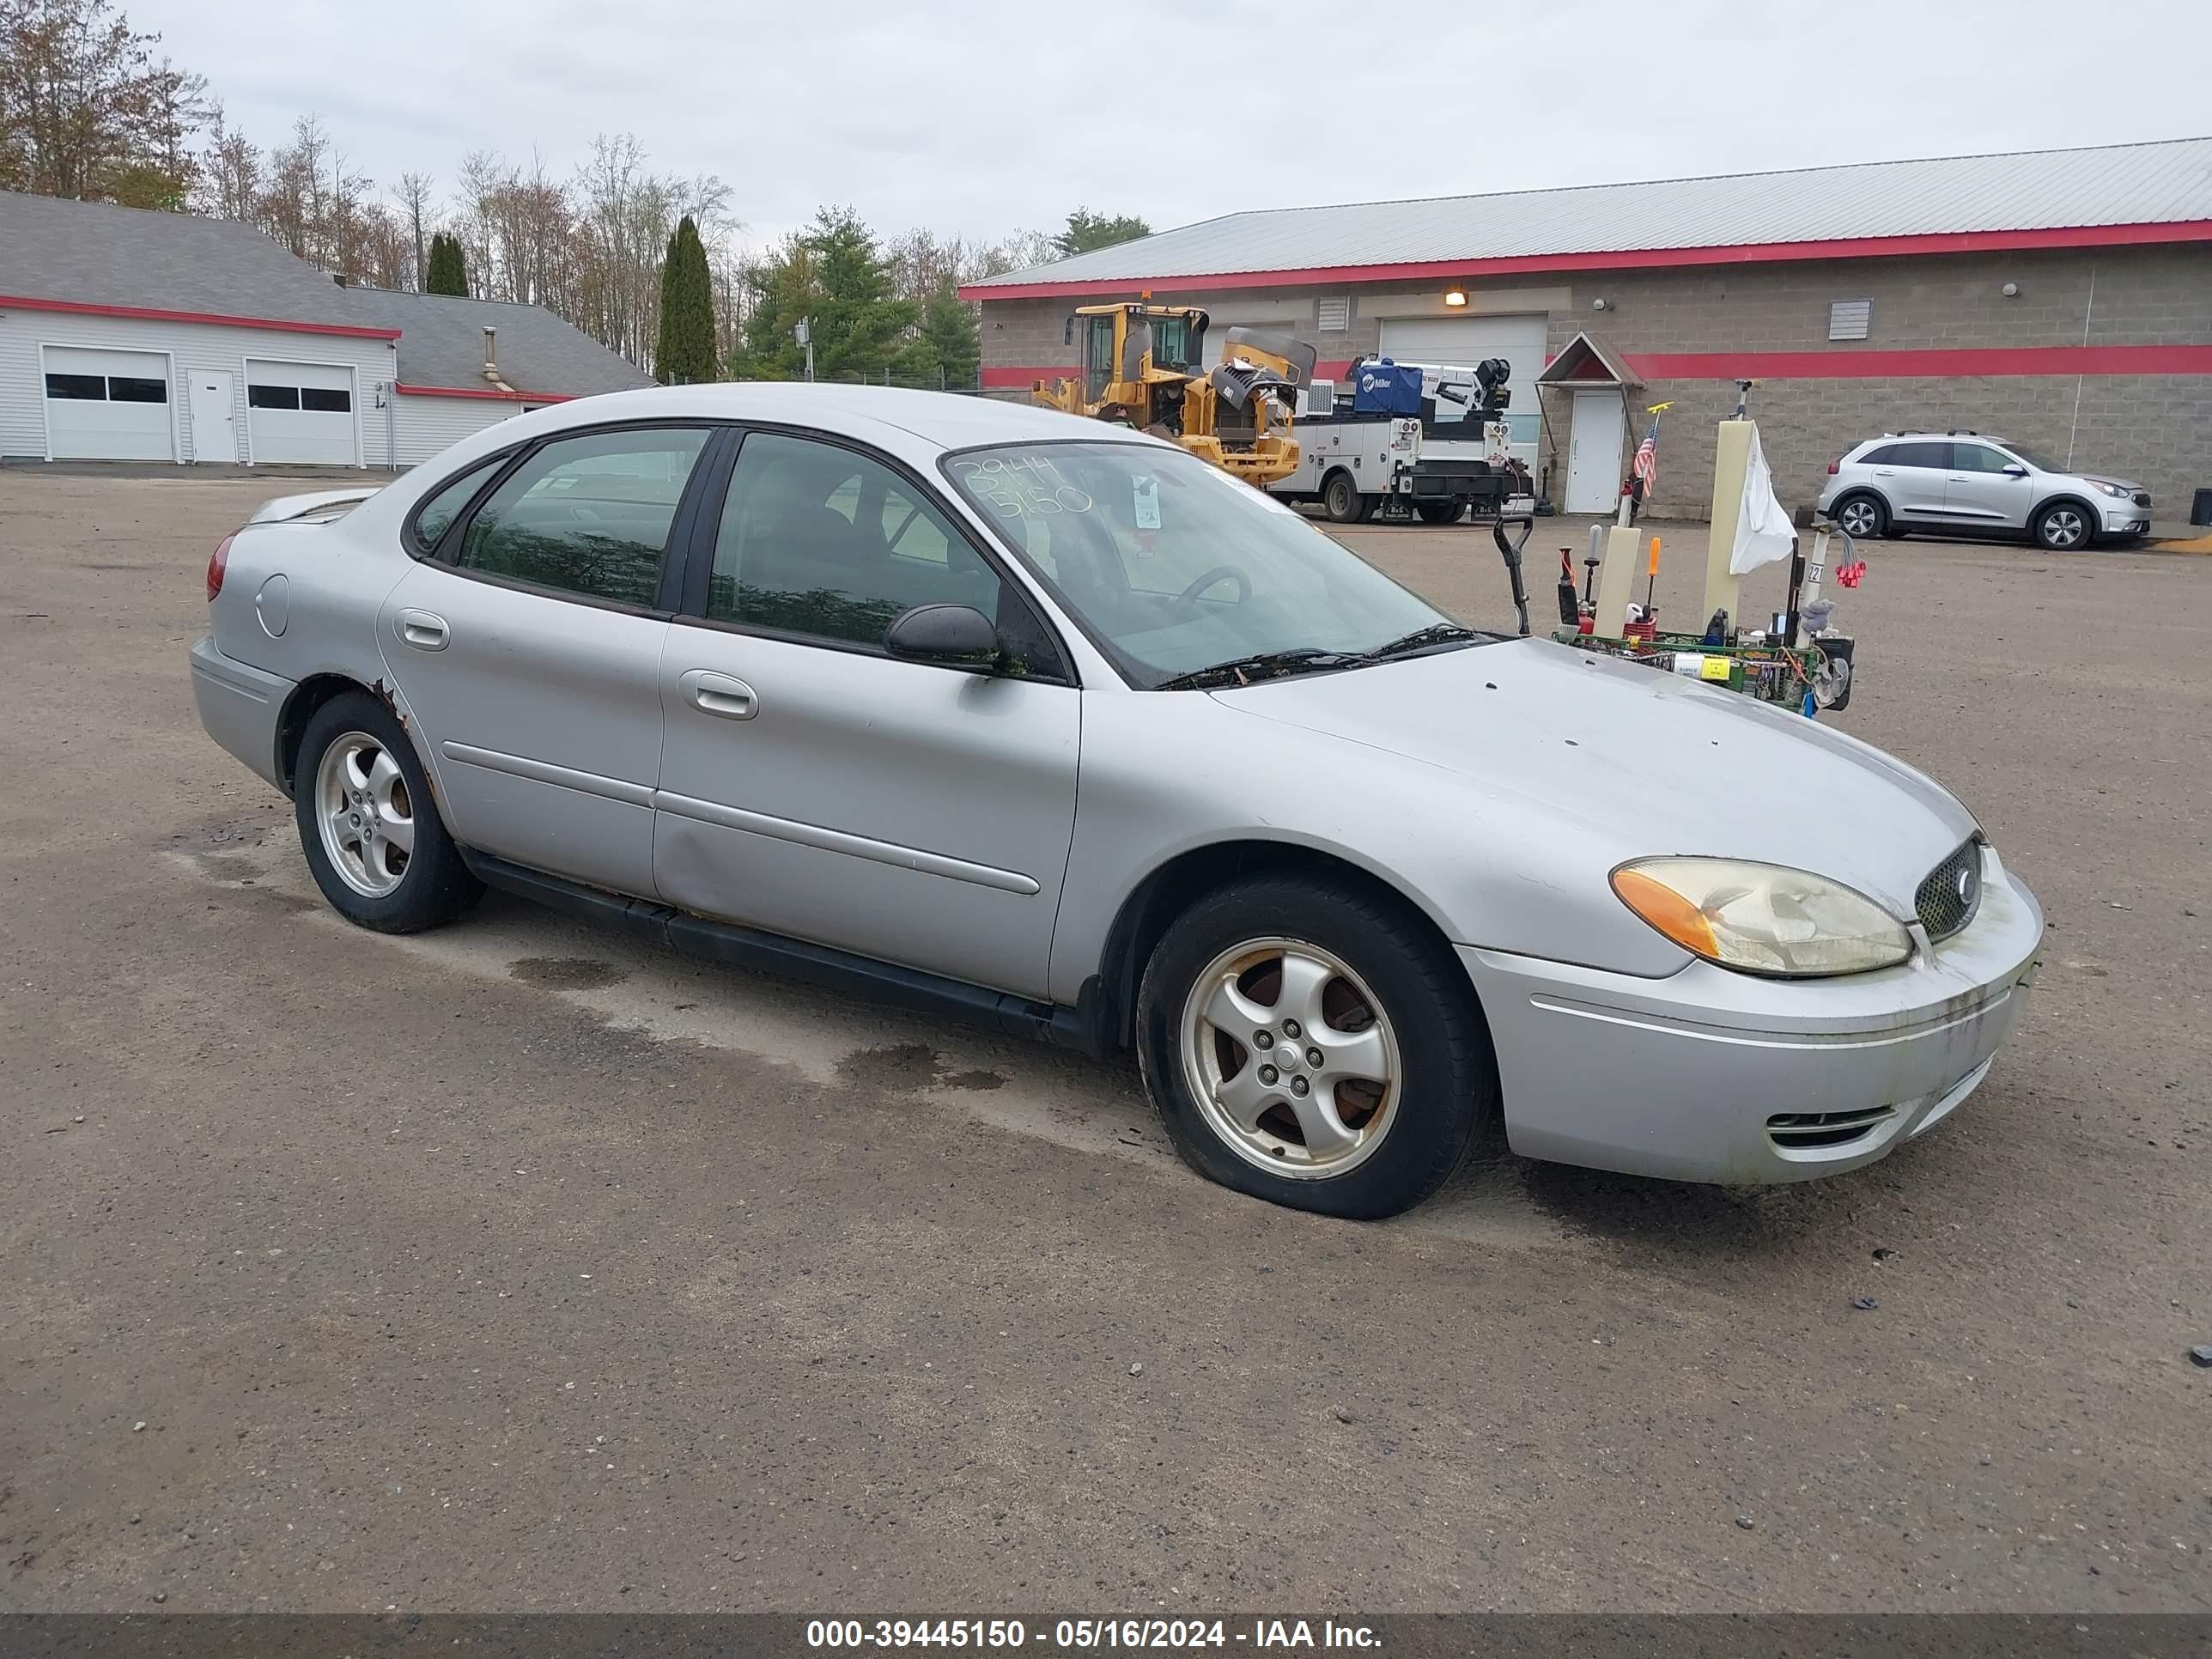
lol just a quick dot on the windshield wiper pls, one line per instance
(1267, 665)
(1421, 638)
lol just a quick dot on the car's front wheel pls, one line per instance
(1313, 1045)
(2062, 527)
(368, 823)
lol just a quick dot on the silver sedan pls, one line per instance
(994, 711)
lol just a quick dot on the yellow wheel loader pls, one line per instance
(1144, 366)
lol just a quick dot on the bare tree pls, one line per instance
(414, 194)
(86, 113)
(230, 173)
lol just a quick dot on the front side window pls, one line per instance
(828, 543)
(588, 515)
(1175, 566)
(1978, 458)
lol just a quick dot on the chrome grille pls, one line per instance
(1947, 899)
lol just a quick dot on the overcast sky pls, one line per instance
(984, 118)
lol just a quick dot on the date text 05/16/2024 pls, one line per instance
(1088, 1635)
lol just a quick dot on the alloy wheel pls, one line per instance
(2063, 527)
(1290, 1058)
(1858, 519)
(366, 815)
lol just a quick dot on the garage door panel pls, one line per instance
(300, 412)
(107, 406)
(1463, 341)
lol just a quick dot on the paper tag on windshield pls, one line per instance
(1148, 503)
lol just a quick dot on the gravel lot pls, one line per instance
(514, 1267)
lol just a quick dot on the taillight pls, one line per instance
(1834, 467)
(218, 563)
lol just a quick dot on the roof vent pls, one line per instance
(1848, 318)
(1334, 313)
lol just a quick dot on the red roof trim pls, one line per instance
(406, 390)
(83, 309)
(1861, 247)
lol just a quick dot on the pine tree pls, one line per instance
(686, 356)
(948, 347)
(448, 273)
(1087, 231)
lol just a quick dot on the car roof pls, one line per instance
(948, 420)
(1957, 432)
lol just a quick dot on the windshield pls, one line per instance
(1171, 565)
(2035, 459)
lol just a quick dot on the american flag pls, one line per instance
(1645, 469)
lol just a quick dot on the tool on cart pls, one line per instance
(1144, 367)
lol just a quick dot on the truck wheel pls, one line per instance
(1439, 511)
(1341, 501)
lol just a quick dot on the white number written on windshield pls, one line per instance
(1020, 486)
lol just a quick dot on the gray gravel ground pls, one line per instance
(515, 1268)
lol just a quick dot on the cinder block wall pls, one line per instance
(2154, 427)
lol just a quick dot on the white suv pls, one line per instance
(1971, 483)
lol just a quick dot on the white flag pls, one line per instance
(1763, 529)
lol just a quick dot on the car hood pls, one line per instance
(1664, 764)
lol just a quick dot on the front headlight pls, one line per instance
(1762, 918)
(2109, 489)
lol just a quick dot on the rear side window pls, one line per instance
(435, 516)
(1929, 455)
(587, 515)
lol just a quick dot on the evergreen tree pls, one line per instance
(686, 354)
(948, 347)
(448, 273)
(833, 274)
(1087, 231)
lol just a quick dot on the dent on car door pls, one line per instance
(814, 786)
(529, 652)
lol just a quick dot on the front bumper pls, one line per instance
(2125, 518)
(240, 705)
(1709, 1075)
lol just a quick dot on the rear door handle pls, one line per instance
(719, 694)
(422, 630)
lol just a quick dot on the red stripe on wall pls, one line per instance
(1023, 377)
(1964, 360)
(80, 309)
(483, 392)
(1863, 248)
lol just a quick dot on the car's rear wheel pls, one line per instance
(369, 825)
(2063, 527)
(1342, 500)
(1863, 518)
(1439, 511)
(1314, 1046)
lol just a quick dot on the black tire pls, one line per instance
(435, 885)
(1446, 1096)
(2064, 527)
(1876, 513)
(1341, 501)
(1439, 511)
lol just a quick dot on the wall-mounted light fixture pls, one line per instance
(2010, 290)
(1455, 297)
(1598, 304)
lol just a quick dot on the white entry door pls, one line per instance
(1594, 472)
(214, 406)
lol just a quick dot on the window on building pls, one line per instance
(136, 389)
(272, 397)
(78, 388)
(1848, 318)
(330, 400)
(587, 515)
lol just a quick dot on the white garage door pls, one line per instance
(299, 412)
(1465, 341)
(107, 406)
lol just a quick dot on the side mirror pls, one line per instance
(954, 634)
(2015, 471)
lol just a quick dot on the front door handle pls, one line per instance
(422, 630)
(719, 694)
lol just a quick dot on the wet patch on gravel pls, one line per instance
(567, 973)
(892, 1067)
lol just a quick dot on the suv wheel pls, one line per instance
(1342, 500)
(369, 825)
(2062, 527)
(1313, 1046)
(1863, 518)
